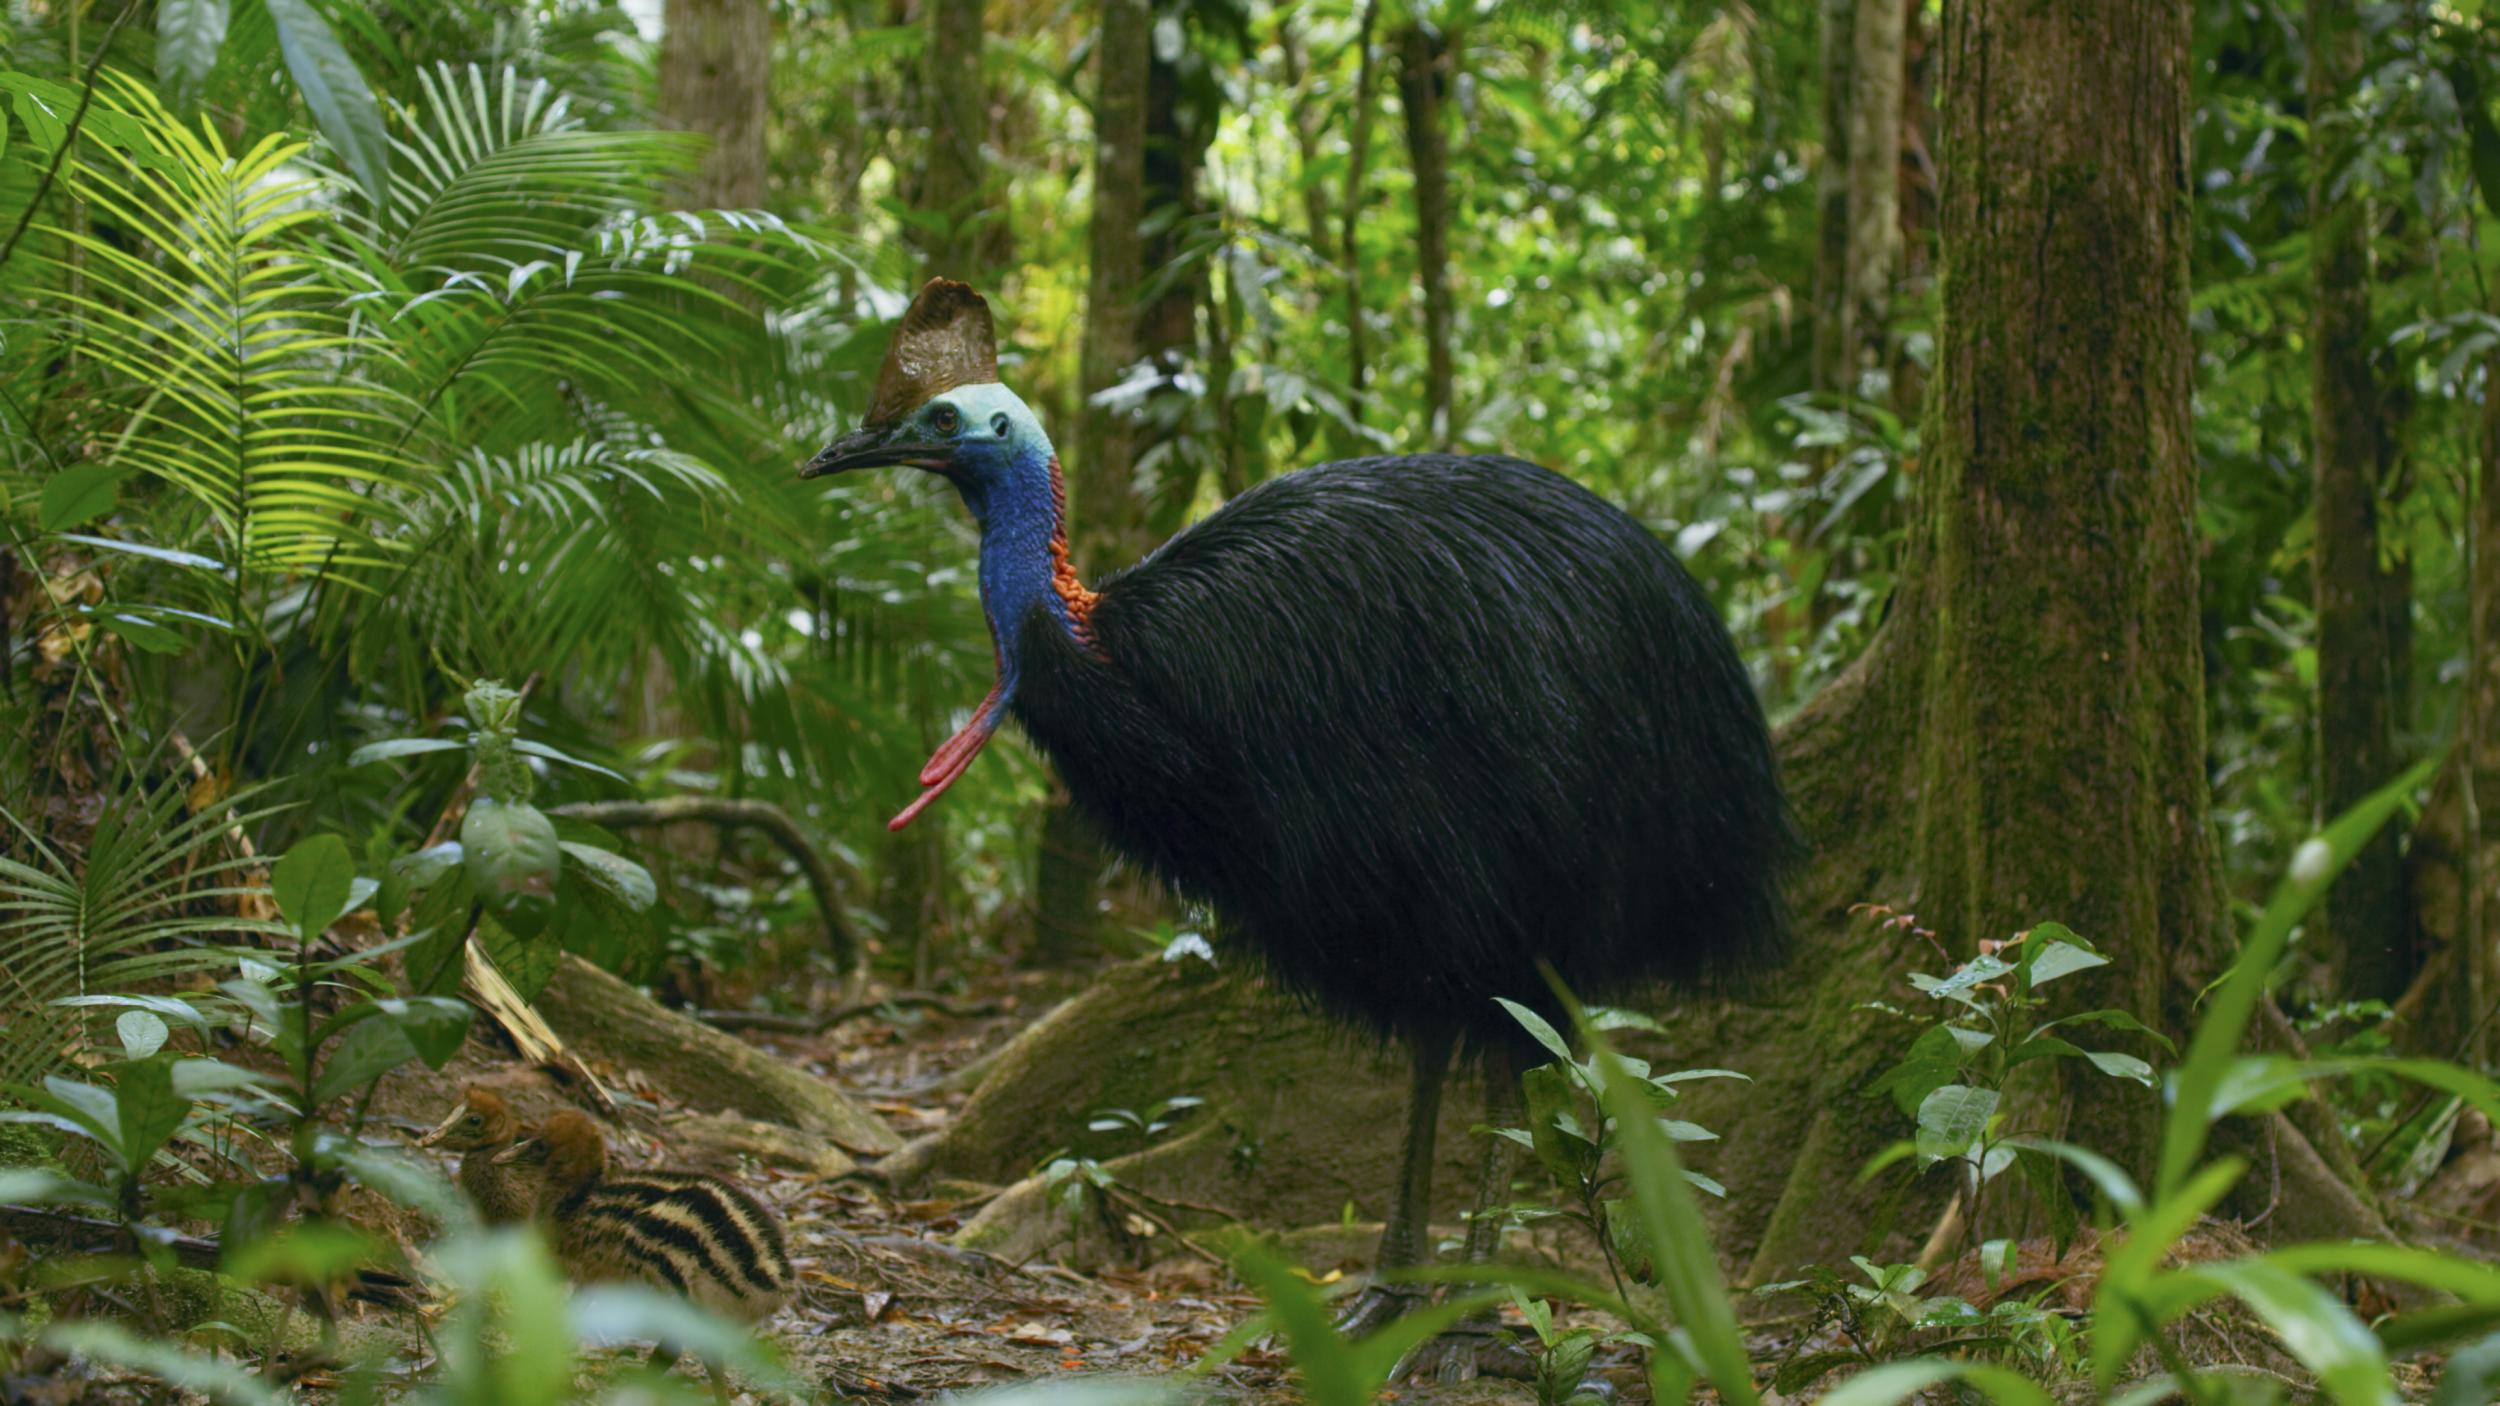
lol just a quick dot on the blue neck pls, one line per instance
(1018, 509)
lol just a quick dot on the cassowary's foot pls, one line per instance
(1376, 1306)
(1479, 1347)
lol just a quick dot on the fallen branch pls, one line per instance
(848, 952)
(70, 1233)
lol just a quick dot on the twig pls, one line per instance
(849, 953)
(69, 134)
(823, 1021)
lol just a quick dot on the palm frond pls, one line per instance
(209, 299)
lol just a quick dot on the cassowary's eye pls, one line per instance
(944, 419)
(998, 422)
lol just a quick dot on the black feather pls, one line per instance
(1410, 726)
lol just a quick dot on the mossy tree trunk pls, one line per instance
(954, 106)
(1424, 60)
(2363, 635)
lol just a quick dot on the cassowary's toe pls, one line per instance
(1476, 1348)
(1378, 1305)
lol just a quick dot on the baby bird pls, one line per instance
(694, 1234)
(481, 1127)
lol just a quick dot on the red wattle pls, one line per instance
(960, 747)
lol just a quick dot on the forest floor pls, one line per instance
(888, 1307)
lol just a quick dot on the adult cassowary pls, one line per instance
(1410, 725)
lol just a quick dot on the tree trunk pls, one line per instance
(955, 110)
(715, 77)
(1831, 254)
(2361, 606)
(1423, 75)
(1874, 190)
(1350, 245)
(1105, 517)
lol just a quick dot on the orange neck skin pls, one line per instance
(1063, 577)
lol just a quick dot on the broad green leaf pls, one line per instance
(629, 883)
(188, 35)
(1952, 1118)
(79, 495)
(514, 860)
(342, 102)
(312, 883)
(142, 1032)
(369, 1050)
(434, 1025)
(2313, 1324)
(2060, 959)
(140, 632)
(151, 1109)
(401, 747)
(529, 963)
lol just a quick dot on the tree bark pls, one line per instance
(1874, 189)
(1350, 244)
(715, 78)
(1105, 518)
(954, 108)
(1839, 36)
(2362, 632)
(1423, 75)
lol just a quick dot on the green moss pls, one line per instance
(22, 1145)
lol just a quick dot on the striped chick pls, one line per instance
(691, 1234)
(481, 1128)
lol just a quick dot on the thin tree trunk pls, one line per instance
(715, 78)
(1423, 74)
(1350, 247)
(954, 106)
(2360, 605)
(1874, 179)
(1831, 253)
(1105, 515)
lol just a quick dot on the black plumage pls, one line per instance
(1410, 725)
(1413, 727)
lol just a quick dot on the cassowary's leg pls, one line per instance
(1473, 1347)
(1410, 1217)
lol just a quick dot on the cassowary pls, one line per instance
(1411, 726)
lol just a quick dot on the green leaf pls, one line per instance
(622, 879)
(401, 747)
(150, 1109)
(141, 632)
(1566, 1157)
(342, 102)
(304, 1253)
(1537, 1026)
(2314, 1325)
(188, 35)
(2059, 959)
(369, 1050)
(213, 1377)
(143, 1033)
(1899, 1381)
(529, 963)
(1677, 1236)
(312, 883)
(43, 106)
(79, 495)
(514, 860)
(2216, 1042)
(434, 1025)
(541, 749)
(1952, 1118)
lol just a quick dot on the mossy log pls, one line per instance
(602, 1016)
(1306, 1119)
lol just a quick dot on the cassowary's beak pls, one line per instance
(443, 1129)
(516, 1151)
(869, 448)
